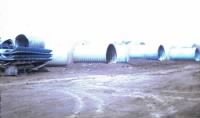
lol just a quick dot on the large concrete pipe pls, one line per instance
(61, 52)
(22, 40)
(95, 52)
(122, 53)
(184, 54)
(152, 52)
(60, 56)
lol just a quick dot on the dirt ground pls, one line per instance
(140, 89)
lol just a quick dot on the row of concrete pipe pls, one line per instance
(108, 52)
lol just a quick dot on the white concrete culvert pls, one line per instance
(147, 51)
(95, 52)
(178, 53)
(122, 53)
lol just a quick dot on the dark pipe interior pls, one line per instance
(21, 41)
(197, 55)
(161, 53)
(111, 54)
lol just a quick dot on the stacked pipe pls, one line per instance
(24, 54)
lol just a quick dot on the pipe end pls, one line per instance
(111, 54)
(21, 41)
(7, 44)
(197, 55)
(161, 53)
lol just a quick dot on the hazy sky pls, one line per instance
(71, 20)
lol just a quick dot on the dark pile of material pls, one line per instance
(14, 59)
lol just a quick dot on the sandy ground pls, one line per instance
(140, 89)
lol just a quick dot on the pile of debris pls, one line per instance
(14, 59)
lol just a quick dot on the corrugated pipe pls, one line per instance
(151, 52)
(60, 57)
(178, 53)
(61, 54)
(95, 52)
(7, 44)
(22, 40)
(122, 53)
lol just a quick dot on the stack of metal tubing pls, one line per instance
(22, 57)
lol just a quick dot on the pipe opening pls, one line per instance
(21, 41)
(197, 55)
(161, 53)
(111, 54)
(8, 44)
